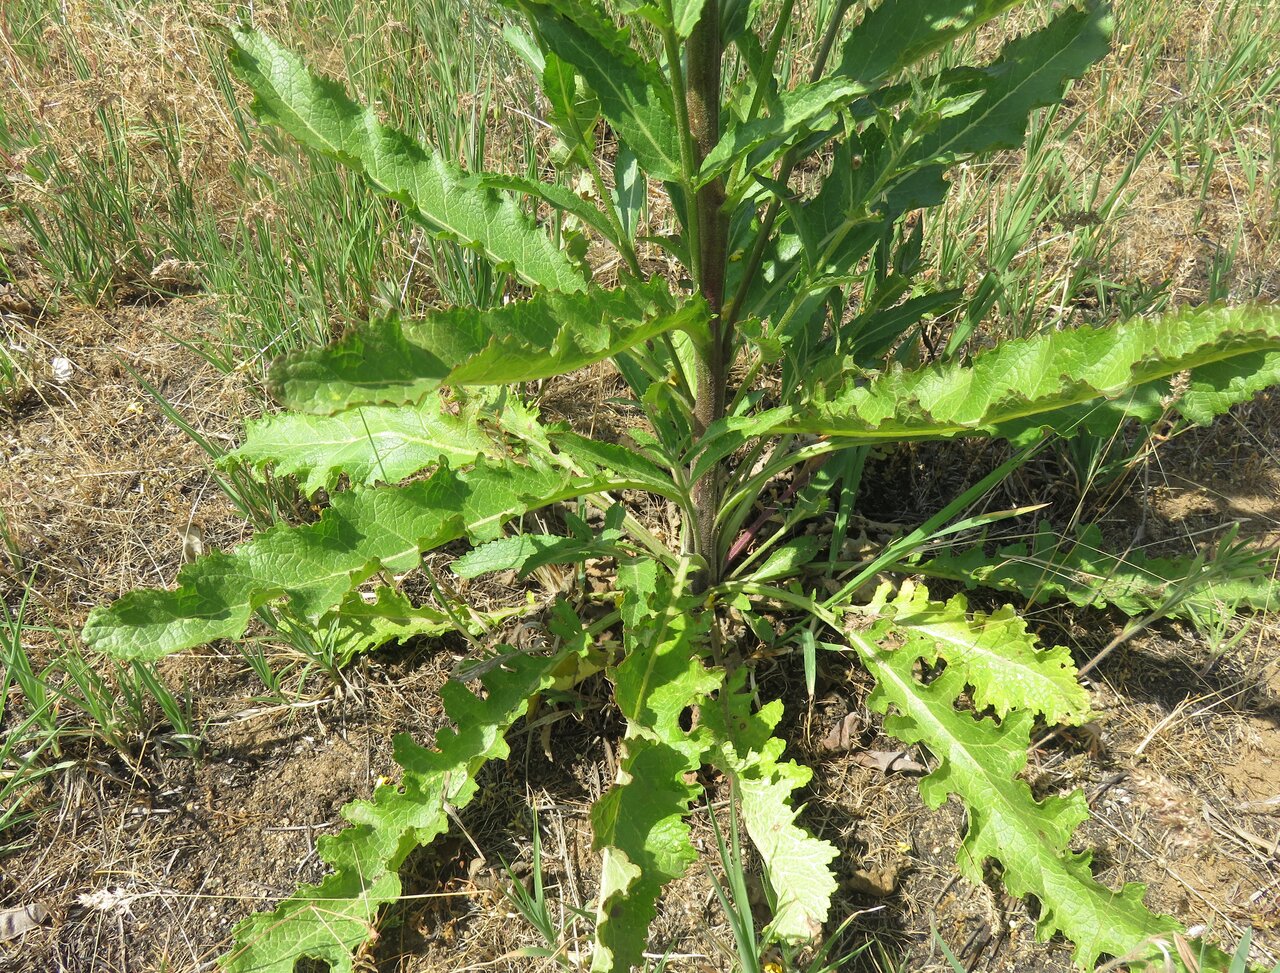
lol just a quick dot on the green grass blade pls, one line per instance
(317, 112)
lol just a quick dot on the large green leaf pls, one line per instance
(1081, 571)
(979, 761)
(1031, 72)
(317, 112)
(548, 334)
(898, 33)
(384, 528)
(332, 920)
(639, 824)
(995, 653)
(633, 95)
(796, 863)
(1196, 362)
(370, 444)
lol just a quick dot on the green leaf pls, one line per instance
(686, 14)
(899, 33)
(594, 455)
(725, 436)
(787, 559)
(332, 920)
(639, 824)
(995, 653)
(1031, 72)
(1196, 362)
(384, 528)
(357, 625)
(509, 554)
(565, 200)
(369, 444)
(979, 761)
(630, 191)
(793, 113)
(633, 95)
(371, 365)
(573, 110)
(548, 334)
(1081, 571)
(795, 863)
(317, 112)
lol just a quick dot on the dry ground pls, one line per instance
(146, 859)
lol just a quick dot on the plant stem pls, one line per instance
(705, 52)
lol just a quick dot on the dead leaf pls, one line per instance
(16, 922)
(879, 883)
(889, 762)
(844, 735)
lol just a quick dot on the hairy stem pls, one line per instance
(705, 52)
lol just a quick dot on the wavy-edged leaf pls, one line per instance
(318, 113)
(1197, 362)
(633, 95)
(369, 444)
(513, 553)
(1082, 572)
(372, 365)
(332, 920)
(359, 625)
(980, 762)
(898, 33)
(384, 528)
(639, 824)
(1002, 662)
(795, 862)
(548, 334)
